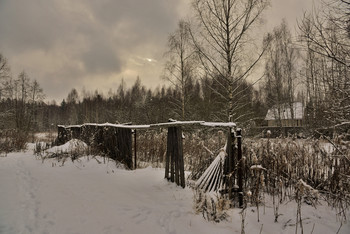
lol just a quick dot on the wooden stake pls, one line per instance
(240, 168)
(167, 156)
(229, 161)
(181, 158)
(135, 148)
(176, 154)
(171, 148)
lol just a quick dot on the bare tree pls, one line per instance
(327, 31)
(36, 96)
(26, 95)
(179, 68)
(4, 76)
(225, 47)
(280, 71)
(325, 34)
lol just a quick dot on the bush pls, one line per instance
(12, 140)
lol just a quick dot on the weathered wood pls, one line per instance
(173, 123)
(124, 146)
(171, 149)
(62, 136)
(181, 158)
(229, 151)
(115, 140)
(216, 176)
(135, 151)
(212, 178)
(167, 157)
(176, 155)
(240, 168)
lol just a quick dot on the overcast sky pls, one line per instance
(93, 44)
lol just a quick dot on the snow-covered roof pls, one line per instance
(285, 111)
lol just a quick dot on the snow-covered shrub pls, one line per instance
(211, 206)
(73, 149)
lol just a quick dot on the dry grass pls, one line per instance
(321, 164)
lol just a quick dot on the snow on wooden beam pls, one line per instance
(173, 123)
(177, 123)
(219, 124)
(108, 125)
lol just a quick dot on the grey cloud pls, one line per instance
(139, 25)
(99, 35)
(26, 25)
(100, 58)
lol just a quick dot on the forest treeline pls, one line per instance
(135, 104)
(211, 68)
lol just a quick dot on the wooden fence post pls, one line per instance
(240, 167)
(171, 149)
(181, 157)
(174, 157)
(135, 156)
(167, 156)
(229, 167)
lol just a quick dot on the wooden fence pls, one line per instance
(115, 140)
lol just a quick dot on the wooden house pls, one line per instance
(286, 115)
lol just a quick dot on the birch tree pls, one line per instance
(179, 68)
(224, 44)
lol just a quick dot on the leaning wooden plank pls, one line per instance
(205, 176)
(205, 180)
(215, 185)
(211, 171)
(212, 178)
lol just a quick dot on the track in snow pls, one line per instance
(90, 197)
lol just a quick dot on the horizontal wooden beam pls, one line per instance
(158, 125)
(107, 125)
(176, 124)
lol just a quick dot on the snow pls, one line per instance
(172, 123)
(70, 146)
(93, 195)
(257, 167)
(107, 125)
(219, 124)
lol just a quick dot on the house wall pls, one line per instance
(285, 123)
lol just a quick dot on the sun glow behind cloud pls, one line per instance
(94, 44)
(86, 43)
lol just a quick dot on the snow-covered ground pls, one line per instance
(93, 196)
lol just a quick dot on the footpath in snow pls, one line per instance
(90, 196)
